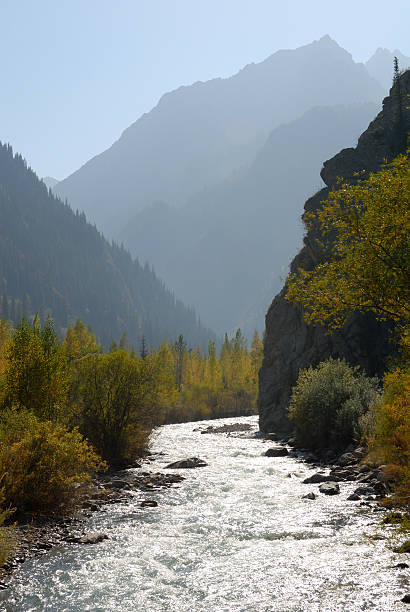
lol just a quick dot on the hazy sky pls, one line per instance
(75, 73)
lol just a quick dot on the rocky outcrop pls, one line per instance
(291, 344)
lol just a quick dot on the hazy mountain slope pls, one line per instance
(53, 262)
(230, 242)
(197, 135)
(380, 66)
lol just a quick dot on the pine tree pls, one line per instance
(144, 351)
(395, 70)
(179, 349)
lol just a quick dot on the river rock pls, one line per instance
(116, 483)
(329, 488)
(364, 468)
(354, 497)
(319, 477)
(401, 565)
(309, 496)
(364, 491)
(406, 598)
(148, 503)
(93, 537)
(344, 474)
(279, 451)
(191, 462)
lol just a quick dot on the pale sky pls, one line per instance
(76, 73)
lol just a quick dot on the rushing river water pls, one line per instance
(234, 536)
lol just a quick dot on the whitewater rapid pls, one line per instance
(235, 536)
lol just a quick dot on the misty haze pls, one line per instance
(204, 306)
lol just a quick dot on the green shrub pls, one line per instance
(112, 405)
(7, 540)
(328, 403)
(40, 462)
(390, 439)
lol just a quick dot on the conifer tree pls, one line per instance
(144, 351)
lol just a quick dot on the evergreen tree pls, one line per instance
(179, 350)
(144, 351)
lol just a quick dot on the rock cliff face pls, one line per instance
(291, 344)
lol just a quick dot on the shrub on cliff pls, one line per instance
(363, 230)
(40, 462)
(328, 402)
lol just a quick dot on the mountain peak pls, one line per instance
(327, 40)
(380, 65)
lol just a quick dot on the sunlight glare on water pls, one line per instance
(234, 536)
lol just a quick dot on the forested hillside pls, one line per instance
(52, 261)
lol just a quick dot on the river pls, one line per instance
(235, 536)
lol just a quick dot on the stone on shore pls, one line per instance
(346, 458)
(318, 477)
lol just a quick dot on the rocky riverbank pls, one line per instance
(243, 513)
(36, 534)
(349, 466)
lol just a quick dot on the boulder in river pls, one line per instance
(353, 497)
(93, 537)
(406, 598)
(309, 496)
(329, 488)
(279, 451)
(148, 503)
(191, 462)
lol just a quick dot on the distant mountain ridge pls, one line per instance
(52, 261)
(231, 242)
(198, 135)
